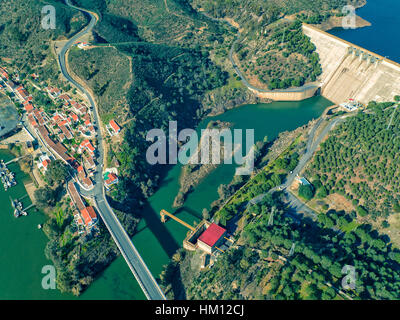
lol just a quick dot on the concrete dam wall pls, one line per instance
(277, 95)
(350, 71)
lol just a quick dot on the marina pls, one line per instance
(19, 209)
(7, 177)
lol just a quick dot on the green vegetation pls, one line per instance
(359, 161)
(273, 52)
(256, 13)
(272, 175)
(263, 267)
(147, 85)
(57, 172)
(282, 57)
(78, 259)
(306, 192)
(23, 40)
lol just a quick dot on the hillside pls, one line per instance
(258, 13)
(147, 85)
(271, 51)
(171, 62)
(158, 21)
(25, 44)
(291, 260)
(358, 165)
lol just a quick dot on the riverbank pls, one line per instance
(22, 244)
(337, 22)
(193, 174)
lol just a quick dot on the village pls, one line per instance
(65, 132)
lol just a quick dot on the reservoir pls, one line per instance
(156, 241)
(381, 37)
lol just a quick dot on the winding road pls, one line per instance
(132, 257)
(305, 87)
(311, 147)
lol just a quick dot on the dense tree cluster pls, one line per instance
(291, 260)
(57, 172)
(359, 161)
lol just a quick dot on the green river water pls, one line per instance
(22, 244)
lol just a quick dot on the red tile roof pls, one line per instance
(88, 215)
(28, 107)
(76, 198)
(45, 163)
(74, 117)
(213, 233)
(111, 178)
(115, 126)
(62, 123)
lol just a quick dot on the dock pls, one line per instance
(7, 177)
(19, 209)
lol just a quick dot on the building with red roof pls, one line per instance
(32, 120)
(44, 162)
(76, 198)
(113, 128)
(62, 123)
(21, 93)
(88, 146)
(89, 216)
(53, 92)
(64, 97)
(211, 238)
(28, 107)
(110, 179)
(74, 117)
(4, 74)
(66, 132)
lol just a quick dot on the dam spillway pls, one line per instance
(350, 71)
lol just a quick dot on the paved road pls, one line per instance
(135, 262)
(313, 85)
(310, 149)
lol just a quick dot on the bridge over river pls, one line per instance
(132, 257)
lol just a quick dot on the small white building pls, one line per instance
(351, 105)
(43, 162)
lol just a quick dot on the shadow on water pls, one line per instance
(178, 287)
(193, 212)
(164, 237)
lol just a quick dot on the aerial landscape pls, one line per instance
(212, 150)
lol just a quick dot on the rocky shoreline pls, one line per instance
(193, 174)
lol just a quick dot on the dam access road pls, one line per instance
(132, 257)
